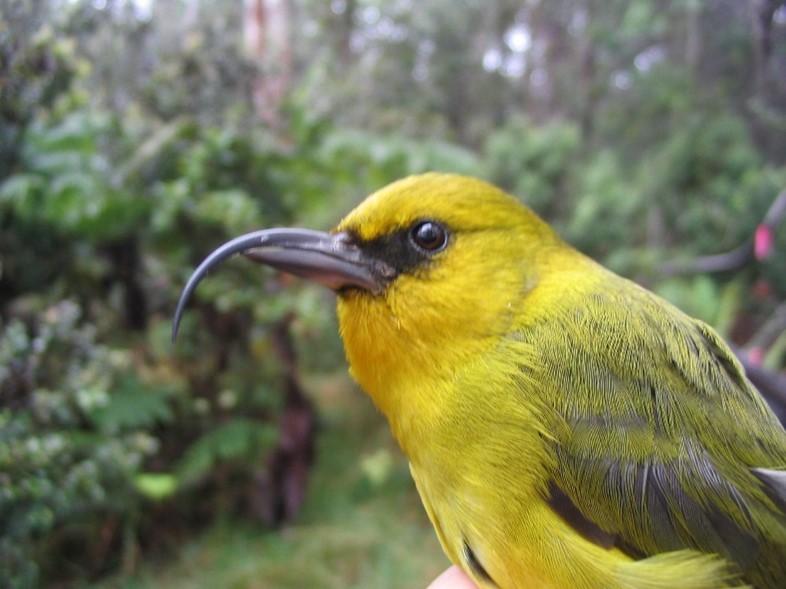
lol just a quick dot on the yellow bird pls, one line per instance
(566, 428)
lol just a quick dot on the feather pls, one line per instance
(775, 481)
(661, 433)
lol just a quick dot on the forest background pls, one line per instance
(136, 135)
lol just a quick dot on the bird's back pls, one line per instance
(663, 444)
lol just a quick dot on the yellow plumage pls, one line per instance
(566, 429)
(463, 356)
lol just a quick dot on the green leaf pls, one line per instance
(156, 486)
(133, 405)
(241, 439)
(22, 192)
(234, 210)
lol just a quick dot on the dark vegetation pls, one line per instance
(136, 136)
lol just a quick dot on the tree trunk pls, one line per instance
(281, 486)
(267, 42)
(693, 38)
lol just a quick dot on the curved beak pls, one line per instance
(329, 259)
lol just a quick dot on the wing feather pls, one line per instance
(663, 441)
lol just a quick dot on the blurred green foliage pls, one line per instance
(534, 160)
(71, 441)
(131, 144)
(361, 526)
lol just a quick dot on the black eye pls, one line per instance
(429, 236)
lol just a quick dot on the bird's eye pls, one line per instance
(429, 236)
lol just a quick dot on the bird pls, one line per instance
(564, 426)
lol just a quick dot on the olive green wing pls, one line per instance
(662, 443)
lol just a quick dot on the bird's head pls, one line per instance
(428, 270)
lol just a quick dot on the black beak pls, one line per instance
(329, 259)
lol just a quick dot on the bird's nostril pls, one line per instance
(346, 238)
(385, 270)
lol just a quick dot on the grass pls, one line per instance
(362, 525)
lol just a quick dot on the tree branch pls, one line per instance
(771, 385)
(771, 330)
(730, 260)
(149, 150)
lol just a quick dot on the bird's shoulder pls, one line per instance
(622, 351)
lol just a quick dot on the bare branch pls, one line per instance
(771, 330)
(730, 260)
(149, 150)
(777, 210)
(772, 385)
(736, 258)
